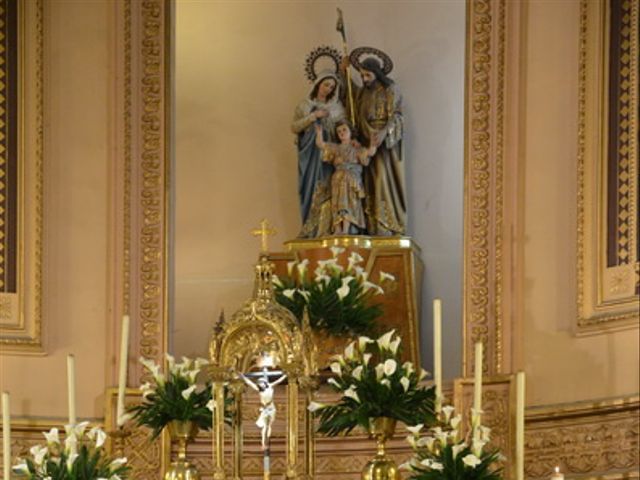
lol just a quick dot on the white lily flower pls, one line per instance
(426, 462)
(379, 371)
(440, 435)
(334, 382)
(357, 372)
(347, 280)
(333, 264)
(21, 469)
(289, 292)
(200, 362)
(323, 278)
(411, 440)
(404, 381)
(428, 442)
(405, 466)
(71, 460)
(192, 375)
(436, 466)
(361, 274)
(385, 340)
(336, 368)
(115, 477)
(355, 258)
(343, 291)
(38, 452)
(447, 410)
(290, 266)
(171, 362)
(302, 268)
(363, 342)
(276, 281)
(350, 351)
(393, 346)
(146, 389)
(456, 449)
(386, 276)
(379, 290)
(455, 421)
(338, 358)
(351, 393)
(154, 369)
(367, 285)
(187, 392)
(471, 460)
(52, 436)
(117, 463)
(390, 366)
(366, 357)
(71, 444)
(335, 251)
(408, 368)
(423, 374)
(76, 430)
(477, 445)
(385, 382)
(315, 406)
(305, 294)
(416, 429)
(98, 436)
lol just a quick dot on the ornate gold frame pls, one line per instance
(21, 329)
(607, 298)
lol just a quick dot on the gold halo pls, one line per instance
(314, 55)
(356, 58)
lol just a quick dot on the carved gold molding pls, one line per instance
(607, 297)
(484, 185)
(21, 329)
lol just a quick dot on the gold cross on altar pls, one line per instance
(263, 232)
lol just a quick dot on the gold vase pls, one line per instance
(182, 433)
(381, 467)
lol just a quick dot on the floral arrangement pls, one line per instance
(443, 454)
(338, 298)
(81, 457)
(175, 396)
(374, 383)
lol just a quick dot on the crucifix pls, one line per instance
(264, 231)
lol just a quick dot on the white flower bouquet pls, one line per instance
(443, 454)
(174, 396)
(374, 383)
(80, 457)
(338, 297)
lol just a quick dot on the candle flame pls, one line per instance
(557, 469)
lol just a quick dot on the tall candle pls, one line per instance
(71, 387)
(477, 383)
(520, 391)
(557, 475)
(122, 377)
(437, 351)
(6, 435)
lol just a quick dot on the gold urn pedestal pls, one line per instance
(381, 467)
(181, 469)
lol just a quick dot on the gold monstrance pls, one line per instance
(262, 329)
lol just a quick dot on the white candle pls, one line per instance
(437, 351)
(122, 377)
(520, 427)
(477, 382)
(556, 474)
(6, 435)
(71, 388)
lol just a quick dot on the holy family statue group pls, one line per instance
(349, 140)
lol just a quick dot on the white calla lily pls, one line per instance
(302, 268)
(305, 294)
(415, 429)
(437, 466)
(361, 274)
(423, 374)
(336, 368)
(477, 445)
(200, 362)
(357, 372)
(385, 382)
(428, 442)
(366, 357)
(290, 266)
(315, 406)
(71, 459)
(211, 405)
(471, 460)
(351, 393)
(379, 371)
(363, 341)
(355, 258)
(385, 340)
(411, 440)
(276, 281)
(52, 437)
(334, 382)
(171, 362)
(390, 366)
(386, 276)
(405, 382)
(343, 291)
(98, 436)
(367, 285)
(187, 392)
(323, 279)
(335, 251)
(289, 292)
(118, 462)
(71, 444)
(447, 410)
(21, 469)
(393, 346)
(456, 449)
(350, 351)
(38, 452)
(147, 389)
(455, 421)
(408, 368)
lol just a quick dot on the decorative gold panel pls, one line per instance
(21, 171)
(608, 281)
